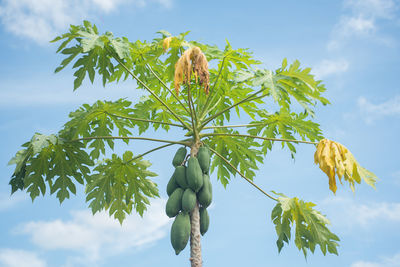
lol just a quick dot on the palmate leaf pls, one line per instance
(310, 226)
(99, 119)
(336, 160)
(286, 125)
(50, 162)
(96, 50)
(286, 83)
(120, 185)
(241, 152)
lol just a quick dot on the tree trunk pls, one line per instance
(195, 237)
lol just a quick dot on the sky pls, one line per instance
(352, 45)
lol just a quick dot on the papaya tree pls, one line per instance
(197, 89)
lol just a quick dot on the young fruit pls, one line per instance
(205, 194)
(180, 232)
(204, 158)
(188, 200)
(174, 203)
(171, 186)
(180, 176)
(204, 220)
(194, 175)
(179, 156)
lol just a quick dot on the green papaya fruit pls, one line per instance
(205, 194)
(180, 176)
(204, 220)
(180, 232)
(179, 156)
(171, 186)
(204, 158)
(174, 203)
(194, 175)
(188, 200)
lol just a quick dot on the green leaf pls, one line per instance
(99, 119)
(48, 159)
(241, 152)
(120, 185)
(284, 125)
(310, 226)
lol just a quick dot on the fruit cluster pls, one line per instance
(188, 185)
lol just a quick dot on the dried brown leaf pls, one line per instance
(192, 60)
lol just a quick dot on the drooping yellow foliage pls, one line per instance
(192, 60)
(166, 43)
(335, 159)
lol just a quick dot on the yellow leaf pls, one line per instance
(318, 152)
(166, 43)
(337, 157)
(333, 157)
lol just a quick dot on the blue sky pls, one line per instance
(352, 45)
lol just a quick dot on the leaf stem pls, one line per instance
(148, 152)
(259, 137)
(243, 176)
(151, 92)
(130, 138)
(230, 107)
(212, 90)
(234, 126)
(165, 86)
(144, 120)
(193, 114)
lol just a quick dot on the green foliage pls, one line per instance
(99, 119)
(48, 159)
(277, 104)
(311, 226)
(120, 184)
(242, 152)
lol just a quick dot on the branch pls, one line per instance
(249, 98)
(166, 87)
(260, 137)
(192, 113)
(205, 107)
(148, 152)
(130, 138)
(144, 120)
(151, 92)
(234, 126)
(241, 174)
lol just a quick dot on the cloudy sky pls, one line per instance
(352, 45)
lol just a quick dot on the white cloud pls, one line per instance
(373, 8)
(8, 201)
(42, 20)
(362, 21)
(329, 67)
(93, 238)
(393, 261)
(362, 215)
(20, 258)
(371, 112)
